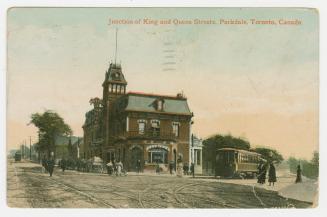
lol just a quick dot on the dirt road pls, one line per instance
(29, 187)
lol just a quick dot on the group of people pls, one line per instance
(115, 168)
(262, 170)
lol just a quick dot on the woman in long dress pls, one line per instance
(272, 174)
(298, 174)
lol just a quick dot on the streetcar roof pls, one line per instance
(238, 150)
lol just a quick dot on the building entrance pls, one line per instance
(136, 155)
(158, 155)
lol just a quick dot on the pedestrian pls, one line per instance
(180, 167)
(272, 174)
(114, 166)
(263, 172)
(119, 168)
(171, 166)
(298, 174)
(259, 172)
(192, 169)
(138, 166)
(158, 168)
(109, 168)
(50, 165)
(63, 165)
(44, 164)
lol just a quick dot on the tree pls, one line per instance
(226, 141)
(271, 155)
(50, 125)
(293, 163)
(310, 168)
(215, 142)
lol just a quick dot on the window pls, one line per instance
(155, 127)
(142, 124)
(114, 88)
(160, 105)
(141, 127)
(176, 128)
(110, 87)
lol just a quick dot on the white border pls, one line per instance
(319, 4)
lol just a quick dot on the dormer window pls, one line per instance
(159, 104)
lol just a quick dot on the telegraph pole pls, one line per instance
(23, 148)
(30, 148)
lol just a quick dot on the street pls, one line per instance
(29, 187)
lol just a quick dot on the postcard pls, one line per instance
(162, 107)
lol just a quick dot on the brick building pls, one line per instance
(134, 126)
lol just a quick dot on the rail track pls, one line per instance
(139, 192)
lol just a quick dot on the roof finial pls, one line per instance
(116, 46)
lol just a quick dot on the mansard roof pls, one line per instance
(145, 103)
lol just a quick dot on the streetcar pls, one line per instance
(18, 156)
(237, 163)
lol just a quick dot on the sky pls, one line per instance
(258, 82)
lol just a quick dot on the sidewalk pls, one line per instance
(285, 186)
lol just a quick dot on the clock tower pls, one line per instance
(114, 86)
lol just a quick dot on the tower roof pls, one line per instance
(115, 74)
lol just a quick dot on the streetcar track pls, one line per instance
(90, 197)
(83, 193)
(144, 193)
(194, 184)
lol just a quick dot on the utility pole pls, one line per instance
(23, 148)
(30, 148)
(21, 152)
(25, 154)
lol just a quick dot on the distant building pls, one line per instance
(67, 147)
(134, 126)
(196, 154)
